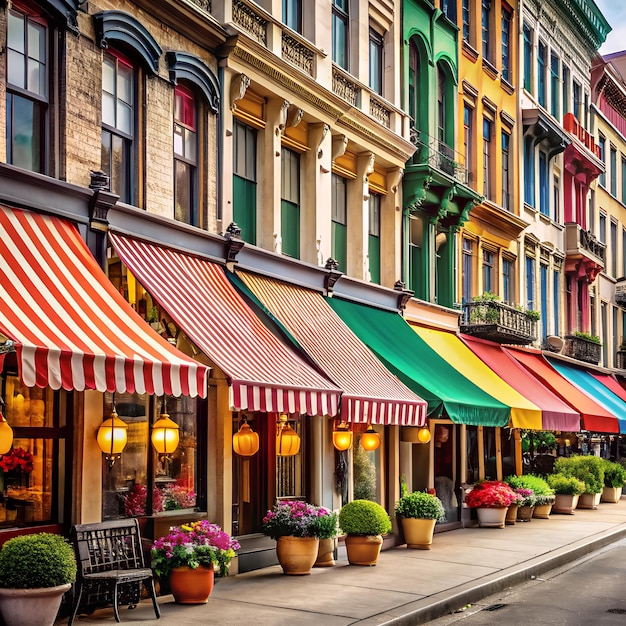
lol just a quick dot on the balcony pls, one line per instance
(584, 253)
(573, 126)
(499, 322)
(438, 155)
(620, 292)
(582, 349)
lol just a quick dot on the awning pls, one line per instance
(72, 329)
(555, 414)
(524, 413)
(594, 389)
(594, 417)
(419, 367)
(370, 392)
(611, 382)
(264, 373)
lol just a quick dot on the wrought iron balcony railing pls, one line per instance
(582, 349)
(498, 322)
(438, 155)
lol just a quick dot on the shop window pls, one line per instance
(472, 470)
(26, 90)
(140, 483)
(490, 453)
(185, 157)
(33, 471)
(245, 180)
(365, 467)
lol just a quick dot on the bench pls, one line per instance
(111, 567)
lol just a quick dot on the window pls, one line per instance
(488, 272)
(373, 241)
(529, 171)
(26, 91)
(592, 211)
(556, 199)
(340, 33)
(542, 61)
(602, 147)
(554, 86)
(418, 263)
(623, 251)
(449, 9)
(506, 44)
(487, 182)
(565, 90)
(507, 280)
(185, 157)
(376, 61)
(292, 14)
(543, 277)
(602, 228)
(339, 226)
(528, 58)
(623, 180)
(530, 282)
(468, 269)
(613, 249)
(290, 203)
(485, 10)
(576, 90)
(613, 171)
(556, 295)
(245, 180)
(118, 115)
(544, 184)
(506, 172)
(465, 16)
(468, 113)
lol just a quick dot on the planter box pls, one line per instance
(565, 504)
(611, 494)
(589, 501)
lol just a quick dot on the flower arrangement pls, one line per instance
(294, 518)
(491, 494)
(170, 498)
(17, 459)
(195, 544)
(566, 485)
(527, 496)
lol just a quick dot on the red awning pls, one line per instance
(72, 329)
(371, 393)
(594, 417)
(264, 374)
(555, 414)
(609, 381)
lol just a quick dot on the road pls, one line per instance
(591, 591)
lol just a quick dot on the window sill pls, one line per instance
(470, 52)
(490, 69)
(506, 86)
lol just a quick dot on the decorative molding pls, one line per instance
(320, 152)
(238, 87)
(340, 144)
(196, 71)
(294, 116)
(282, 115)
(396, 179)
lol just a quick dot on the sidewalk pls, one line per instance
(406, 587)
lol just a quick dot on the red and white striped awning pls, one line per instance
(264, 373)
(371, 393)
(72, 329)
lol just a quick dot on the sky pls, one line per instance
(615, 13)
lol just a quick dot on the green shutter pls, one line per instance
(339, 243)
(244, 207)
(373, 251)
(290, 228)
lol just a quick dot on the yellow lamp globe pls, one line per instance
(423, 435)
(112, 435)
(245, 441)
(165, 435)
(6, 435)
(370, 439)
(287, 441)
(342, 437)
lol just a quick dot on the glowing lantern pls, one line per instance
(342, 437)
(245, 441)
(423, 435)
(370, 439)
(165, 436)
(287, 439)
(6, 435)
(112, 437)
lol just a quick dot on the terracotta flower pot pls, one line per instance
(542, 511)
(511, 514)
(192, 586)
(565, 503)
(24, 607)
(491, 517)
(363, 550)
(325, 553)
(296, 555)
(418, 533)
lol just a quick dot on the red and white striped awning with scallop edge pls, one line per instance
(264, 373)
(72, 329)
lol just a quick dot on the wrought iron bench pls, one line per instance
(111, 567)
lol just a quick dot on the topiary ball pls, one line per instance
(364, 517)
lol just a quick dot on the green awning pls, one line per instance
(419, 367)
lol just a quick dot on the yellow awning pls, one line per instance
(524, 414)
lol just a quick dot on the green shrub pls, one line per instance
(420, 505)
(539, 486)
(566, 485)
(364, 517)
(326, 526)
(614, 474)
(589, 469)
(38, 560)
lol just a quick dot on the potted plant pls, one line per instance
(35, 571)
(567, 490)
(614, 477)
(189, 554)
(491, 499)
(327, 529)
(364, 522)
(589, 469)
(295, 527)
(543, 493)
(419, 512)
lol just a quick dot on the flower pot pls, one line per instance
(296, 555)
(491, 517)
(25, 607)
(511, 514)
(363, 550)
(589, 501)
(191, 586)
(418, 533)
(525, 513)
(325, 553)
(542, 511)
(565, 503)
(611, 494)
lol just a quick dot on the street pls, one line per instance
(587, 591)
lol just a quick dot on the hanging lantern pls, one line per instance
(423, 434)
(245, 440)
(342, 437)
(287, 439)
(165, 436)
(370, 439)
(6, 435)
(112, 437)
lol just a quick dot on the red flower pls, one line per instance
(491, 494)
(17, 459)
